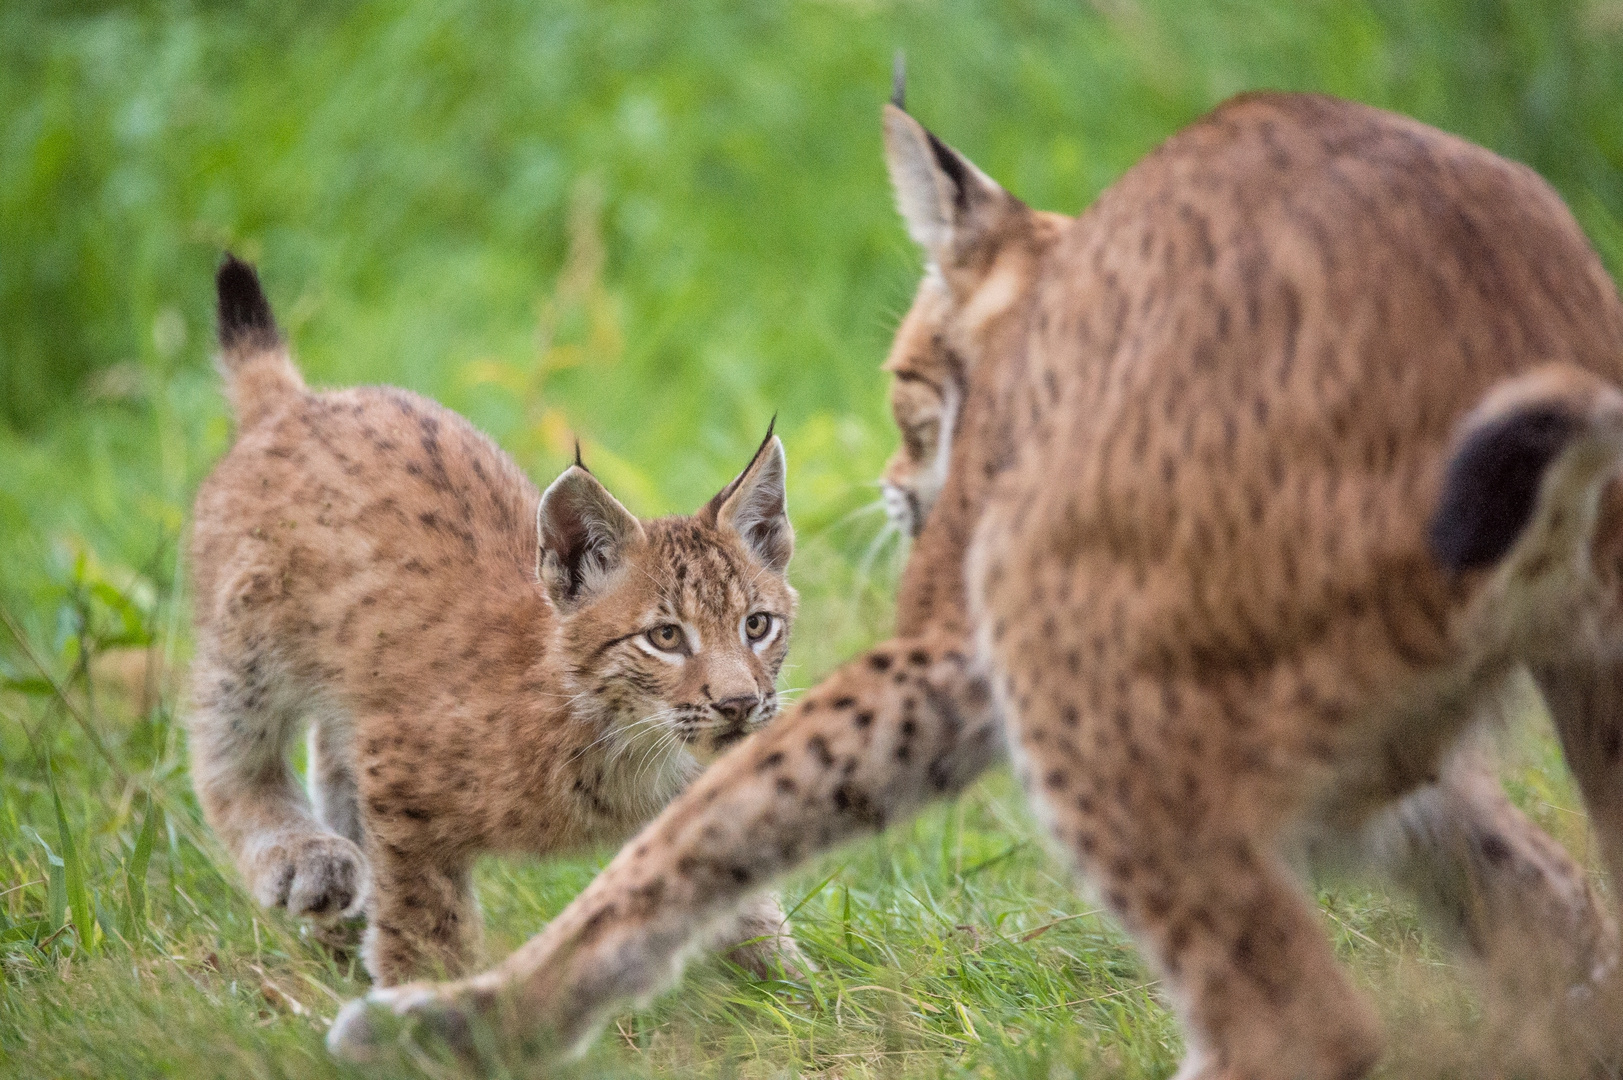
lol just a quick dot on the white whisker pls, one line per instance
(865, 567)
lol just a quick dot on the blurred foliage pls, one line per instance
(406, 174)
(651, 226)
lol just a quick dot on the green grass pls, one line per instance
(652, 229)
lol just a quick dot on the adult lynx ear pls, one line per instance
(756, 506)
(584, 533)
(947, 202)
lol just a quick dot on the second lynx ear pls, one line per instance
(756, 506)
(583, 534)
(944, 199)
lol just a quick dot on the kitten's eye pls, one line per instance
(757, 625)
(667, 637)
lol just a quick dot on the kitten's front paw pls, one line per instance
(365, 1026)
(313, 875)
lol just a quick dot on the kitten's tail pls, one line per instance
(259, 373)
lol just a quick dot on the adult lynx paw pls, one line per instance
(759, 940)
(314, 875)
(365, 1027)
(773, 956)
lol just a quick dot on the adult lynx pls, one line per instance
(483, 667)
(1258, 482)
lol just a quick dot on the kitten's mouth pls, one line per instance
(709, 740)
(730, 734)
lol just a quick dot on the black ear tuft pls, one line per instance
(953, 165)
(1492, 484)
(245, 317)
(898, 81)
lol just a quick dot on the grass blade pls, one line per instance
(135, 874)
(56, 887)
(78, 892)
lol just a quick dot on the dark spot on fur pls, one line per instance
(1494, 848)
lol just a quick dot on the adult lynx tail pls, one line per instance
(259, 374)
(1532, 470)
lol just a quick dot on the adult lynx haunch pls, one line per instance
(1242, 498)
(482, 667)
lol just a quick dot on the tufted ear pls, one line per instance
(584, 533)
(947, 203)
(756, 506)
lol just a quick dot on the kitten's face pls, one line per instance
(672, 631)
(685, 646)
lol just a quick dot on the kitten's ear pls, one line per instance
(947, 203)
(756, 507)
(584, 533)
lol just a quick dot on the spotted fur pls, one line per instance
(1190, 477)
(482, 667)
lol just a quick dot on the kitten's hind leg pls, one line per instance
(241, 729)
(335, 795)
(330, 766)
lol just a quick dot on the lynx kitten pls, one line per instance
(481, 666)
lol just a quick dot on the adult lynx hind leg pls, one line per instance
(907, 722)
(1532, 509)
(1515, 906)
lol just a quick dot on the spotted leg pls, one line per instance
(1586, 703)
(1183, 851)
(904, 723)
(1516, 907)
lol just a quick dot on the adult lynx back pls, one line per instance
(1262, 479)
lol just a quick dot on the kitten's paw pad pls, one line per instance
(315, 876)
(365, 1027)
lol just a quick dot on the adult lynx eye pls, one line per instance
(667, 637)
(757, 625)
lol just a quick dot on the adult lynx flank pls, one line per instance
(481, 666)
(1249, 492)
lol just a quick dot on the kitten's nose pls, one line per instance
(736, 709)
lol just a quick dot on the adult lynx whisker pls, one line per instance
(887, 532)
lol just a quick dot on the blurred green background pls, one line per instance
(651, 226)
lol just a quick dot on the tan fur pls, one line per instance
(1180, 554)
(366, 563)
